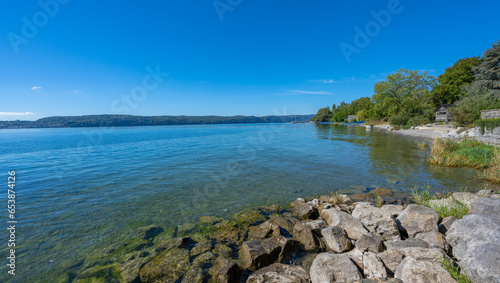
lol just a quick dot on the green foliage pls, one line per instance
(476, 98)
(455, 271)
(455, 208)
(488, 73)
(340, 113)
(488, 124)
(450, 83)
(323, 115)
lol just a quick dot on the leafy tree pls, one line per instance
(323, 115)
(340, 113)
(407, 94)
(450, 84)
(488, 73)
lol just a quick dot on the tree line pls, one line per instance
(410, 98)
(129, 120)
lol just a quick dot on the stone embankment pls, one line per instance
(326, 239)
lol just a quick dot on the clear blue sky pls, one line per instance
(248, 57)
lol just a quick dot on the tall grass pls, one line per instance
(492, 173)
(455, 208)
(466, 153)
(454, 270)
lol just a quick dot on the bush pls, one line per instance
(400, 119)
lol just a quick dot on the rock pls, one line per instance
(303, 233)
(229, 234)
(201, 247)
(256, 254)
(316, 225)
(222, 250)
(203, 259)
(416, 219)
(408, 243)
(249, 217)
(194, 275)
(373, 266)
(362, 197)
(272, 208)
(445, 224)
(286, 223)
(475, 243)
(377, 221)
(356, 256)
(322, 206)
(267, 229)
(168, 267)
(369, 242)
(129, 270)
(391, 260)
(414, 271)
(464, 198)
(328, 267)
(430, 254)
(434, 239)
(148, 232)
(485, 205)
(324, 198)
(340, 199)
(350, 224)
(297, 202)
(278, 273)
(486, 193)
(394, 209)
(336, 239)
(225, 271)
(306, 211)
(185, 229)
(209, 220)
(379, 280)
(382, 192)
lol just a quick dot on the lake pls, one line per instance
(81, 189)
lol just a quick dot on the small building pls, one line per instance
(351, 118)
(443, 113)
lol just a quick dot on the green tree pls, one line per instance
(340, 113)
(450, 84)
(488, 73)
(405, 94)
(323, 115)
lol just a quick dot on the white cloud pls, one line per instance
(76, 91)
(36, 88)
(328, 81)
(298, 92)
(15, 113)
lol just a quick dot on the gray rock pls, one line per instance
(297, 202)
(410, 242)
(485, 205)
(316, 225)
(306, 211)
(377, 221)
(434, 239)
(416, 219)
(415, 271)
(336, 239)
(369, 242)
(464, 198)
(267, 229)
(379, 280)
(357, 257)
(225, 271)
(475, 240)
(303, 233)
(431, 254)
(394, 209)
(256, 254)
(373, 266)
(484, 193)
(445, 224)
(350, 224)
(278, 273)
(328, 268)
(391, 260)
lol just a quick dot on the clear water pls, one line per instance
(82, 189)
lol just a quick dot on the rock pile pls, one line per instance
(328, 239)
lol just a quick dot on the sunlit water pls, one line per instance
(82, 189)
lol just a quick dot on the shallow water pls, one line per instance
(82, 189)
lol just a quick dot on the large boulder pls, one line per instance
(303, 233)
(369, 242)
(417, 219)
(485, 205)
(434, 239)
(350, 224)
(336, 239)
(411, 270)
(329, 267)
(394, 209)
(377, 220)
(391, 260)
(256, 254)
(475, 242)
(278, 273)
(225, 271)
(373, 266)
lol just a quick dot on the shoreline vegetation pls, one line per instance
(382, 234)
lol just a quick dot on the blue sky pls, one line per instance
(223, 57)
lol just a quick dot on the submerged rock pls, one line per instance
(249, 217)
(147, 232)
(168, 266)
(279, 273)
(329, 267)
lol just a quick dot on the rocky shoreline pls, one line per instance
(379, 236)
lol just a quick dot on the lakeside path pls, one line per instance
(431, 131)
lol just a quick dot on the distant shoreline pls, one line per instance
(94, 121)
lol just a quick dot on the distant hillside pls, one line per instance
(128, 120)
